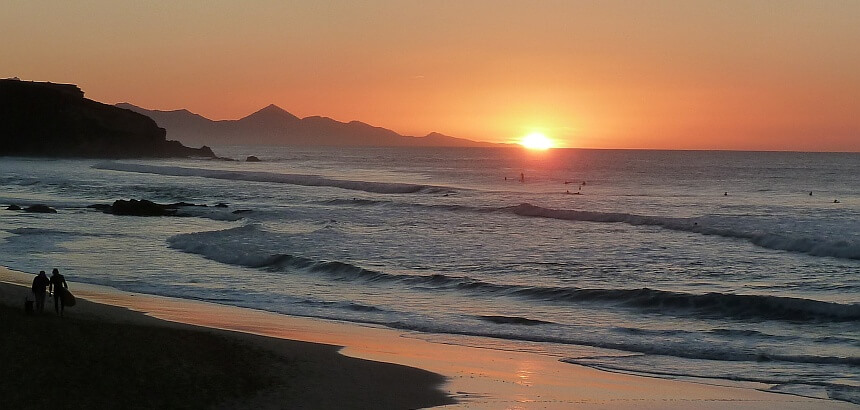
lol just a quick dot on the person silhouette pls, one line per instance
(40, 287)
(58, 286)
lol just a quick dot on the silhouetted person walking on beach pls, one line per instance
(40, 287)
(58, 286)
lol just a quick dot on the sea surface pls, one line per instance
(722, 266)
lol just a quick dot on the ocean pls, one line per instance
(719, 266)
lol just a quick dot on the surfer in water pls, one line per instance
(58, 287)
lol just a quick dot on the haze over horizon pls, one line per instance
(764, 75)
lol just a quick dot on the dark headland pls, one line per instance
(55, 120)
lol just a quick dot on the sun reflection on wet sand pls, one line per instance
(525, 372)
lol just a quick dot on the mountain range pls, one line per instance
(273, 125)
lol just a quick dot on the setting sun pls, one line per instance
(536, 140)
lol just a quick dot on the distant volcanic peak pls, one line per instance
(273, 107)
(270, 112)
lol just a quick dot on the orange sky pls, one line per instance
(756, 75)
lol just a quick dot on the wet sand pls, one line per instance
(104, 356)
(313, 372)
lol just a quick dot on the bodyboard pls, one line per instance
(68, 298)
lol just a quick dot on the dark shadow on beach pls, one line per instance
(83, 362)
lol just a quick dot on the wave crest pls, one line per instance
(840, 248)
(292, 179)
(812, 246)
(722, 305)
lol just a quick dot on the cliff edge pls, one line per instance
(55, 120)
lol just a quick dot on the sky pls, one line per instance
(734, 75)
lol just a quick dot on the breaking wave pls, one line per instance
(711, 305)
(738, 229)
(812, 246)
(512, 320)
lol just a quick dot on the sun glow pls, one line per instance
(536, 140)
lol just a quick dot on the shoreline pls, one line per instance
(477, 377)
(103, 355)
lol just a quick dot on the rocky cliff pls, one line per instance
(55, 120)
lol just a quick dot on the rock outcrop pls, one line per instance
(41, 209)
(143, 207)
(35, 208)
(55, 120)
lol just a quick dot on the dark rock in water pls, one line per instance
(176, 149)
(40, 208)
(220, 205)
(241, 211)
(55, 120)
(143, 207)
(252, 158)
(13, 207)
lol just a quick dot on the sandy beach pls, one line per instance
(105, 356)
(277, 361)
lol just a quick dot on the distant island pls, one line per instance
(55, 120)
(273, 125)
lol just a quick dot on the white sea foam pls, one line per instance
(292, 179)
(725, 226)
(737, 228)
(231, 246)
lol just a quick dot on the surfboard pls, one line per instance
(68, 298)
